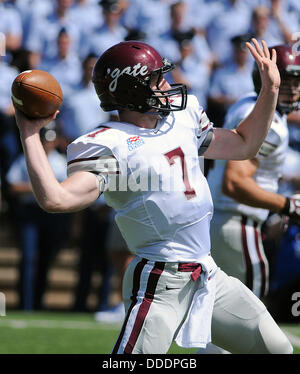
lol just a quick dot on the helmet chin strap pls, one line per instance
(283, 108)
(158, 113)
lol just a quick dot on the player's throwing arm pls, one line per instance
(38, 93)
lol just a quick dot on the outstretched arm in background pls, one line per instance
(239, 184)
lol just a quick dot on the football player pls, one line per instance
(244, 192)
(147, 166)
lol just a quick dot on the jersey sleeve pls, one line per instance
(270, 144)
(202, 125)
(204, 133)
(86, 155)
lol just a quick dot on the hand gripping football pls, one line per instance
(36, 93)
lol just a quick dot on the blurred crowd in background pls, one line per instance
(204, 38)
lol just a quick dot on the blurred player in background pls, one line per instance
(244, 192)
(172, 289)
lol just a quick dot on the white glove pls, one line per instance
(292, 208)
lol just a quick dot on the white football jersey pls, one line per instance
(154, 182)
(271, 156)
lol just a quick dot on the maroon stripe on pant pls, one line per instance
(249, 270)
(261, 263)
(136, 285)
(145, 305)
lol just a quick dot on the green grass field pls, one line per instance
(73, 333)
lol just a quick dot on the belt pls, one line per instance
(193, 267)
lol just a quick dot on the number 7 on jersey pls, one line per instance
(178, 152)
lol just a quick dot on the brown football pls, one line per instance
(36, 93)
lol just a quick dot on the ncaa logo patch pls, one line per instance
(134, 142)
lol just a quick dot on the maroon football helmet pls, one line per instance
(288, 64)
(124, 77)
